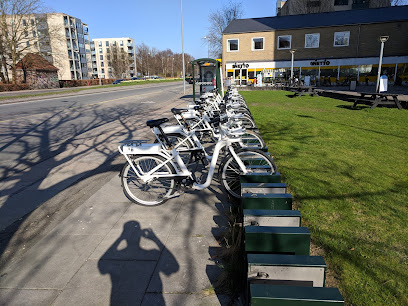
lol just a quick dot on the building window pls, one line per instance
(102, 70)
(107, 43)
(258, 43)
(32, 22)
(102, 64)
(27, 43)
(100, 50)
(99, 43)
(34, 33)
(341, 2)
(312, 40)
(233, 45)
(26, 34)
(24, 22)
(341, 39)
(313, 3)
(284, 42)
(101, 57)
(114, 43)
(121, 43)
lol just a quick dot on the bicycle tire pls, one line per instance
(254, 160)
(253, 140)
(152, 193)
(247, 121)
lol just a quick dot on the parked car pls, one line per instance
(118, 81)
(135, 78)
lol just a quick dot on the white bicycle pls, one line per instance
(155, 173)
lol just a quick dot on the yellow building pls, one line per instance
(328, 47)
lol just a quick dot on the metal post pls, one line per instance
(382, 39)
(182, 48)
(172, 70)
(291, 65)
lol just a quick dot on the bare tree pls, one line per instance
(119, 61)
(19, 20)
(219, 20)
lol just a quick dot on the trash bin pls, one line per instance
(353, 85)
(383, 83)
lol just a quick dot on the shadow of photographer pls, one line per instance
(132, 268)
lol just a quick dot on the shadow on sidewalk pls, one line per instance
(131, 267)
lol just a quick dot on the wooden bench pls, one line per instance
(374, 99)
(303, 90)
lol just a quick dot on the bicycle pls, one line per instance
(153, 174)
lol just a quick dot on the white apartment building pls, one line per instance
(100, 57)
(62, 39)
(71, 55)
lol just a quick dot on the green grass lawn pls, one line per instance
(348, 172)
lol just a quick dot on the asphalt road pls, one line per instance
(55, 152)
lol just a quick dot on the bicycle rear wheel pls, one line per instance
(254, 161)
(252, 140)
(152, 193)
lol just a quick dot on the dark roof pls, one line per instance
(33, 61)
(375, 15)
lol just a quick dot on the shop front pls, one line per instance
(323, 72)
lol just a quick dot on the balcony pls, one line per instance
(130, 45)
(94, 66)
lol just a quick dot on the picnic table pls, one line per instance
(375, 98)
(303, 90)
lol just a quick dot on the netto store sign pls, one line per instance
(240, 66)
(320, 63)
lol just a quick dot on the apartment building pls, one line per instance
(325, 46)
(103, 58)
(296, 7)
(61, 39)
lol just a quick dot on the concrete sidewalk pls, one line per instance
(109, 251)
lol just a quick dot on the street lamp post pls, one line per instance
(182, 48)
(172, 70)
(291, 65)
(382, 39)
(208, 45)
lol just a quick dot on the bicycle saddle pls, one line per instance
(178, 111)
(157, 122)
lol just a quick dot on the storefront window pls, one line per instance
(348, 71)
(402, 74)
(328, 76)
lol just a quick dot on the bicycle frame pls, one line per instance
(175, 160)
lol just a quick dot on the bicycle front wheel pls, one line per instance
(254, 161)
(151, 193)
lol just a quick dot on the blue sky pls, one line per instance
(154, 22)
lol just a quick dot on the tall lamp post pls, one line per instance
(182, 47)
(172, 70)
(291, 65)
(208, 45)
(382, 39)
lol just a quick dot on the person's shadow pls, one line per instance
(131, 267)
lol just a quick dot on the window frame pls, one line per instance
(253, 44)
(228, 45)
(318, 46)
(290, 44)
(334, 39)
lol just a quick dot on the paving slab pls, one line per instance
(112, 251)
(17, 297)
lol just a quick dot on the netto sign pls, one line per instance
(320, 63)
(239, 66)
